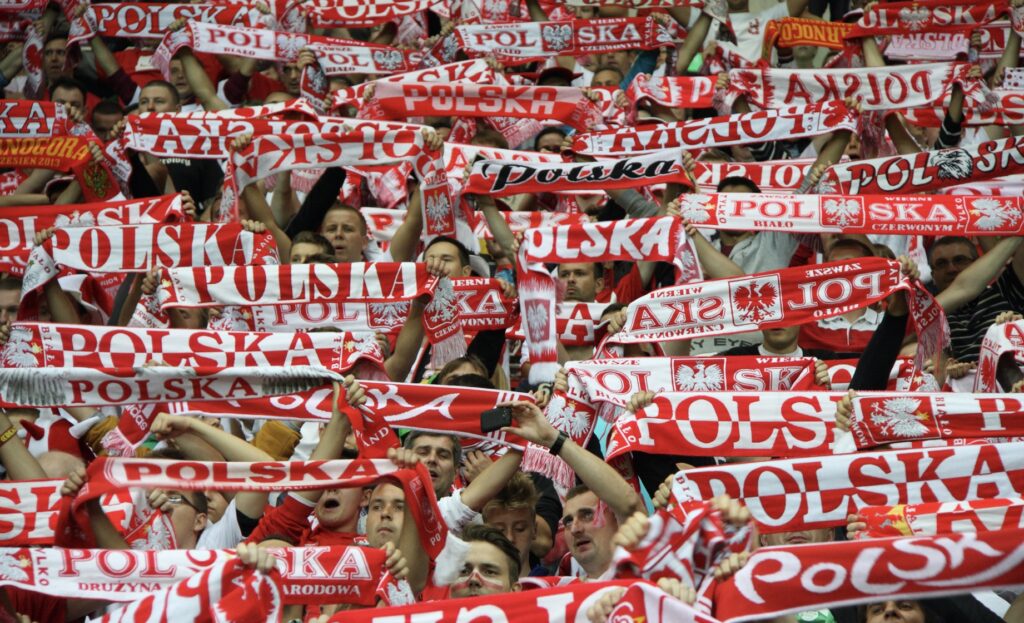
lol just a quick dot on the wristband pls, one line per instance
(8, 434)
(557, 446)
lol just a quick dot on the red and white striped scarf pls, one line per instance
(999, 340)
(382, 282)
(819, 492)
(794, 578)
(1006, 108)
(927, 170)
(767, 125)
(475, 71)
(877, 88)
(777, 176)
(897, 18)
(649, 239)
(942, 518)
(781, 298)
(731, 424)
(359, 14)
(790, 32)
(501, 178)
(673, 91)
(148, 21)
(577, 324)
(941, 46)
(19, 224)
(524, 42)
(929, 215)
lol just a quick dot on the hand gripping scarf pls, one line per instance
(782, 298)
(1005, 108)
(321, 575)
(942, 518)
(731, 424)
(106, 475)
(819, 492)
(151, 21)
(524, 42)
(138, 248)
(781, 580)
(475, 71)
(924, 215)
(878, 88)
(927, 170)
(649, 239)
(19, 224)
(897, 18)
(761, 126)
(790, 32)
(362, 147)
(382, 282)
(501, 178)
(1000, 339)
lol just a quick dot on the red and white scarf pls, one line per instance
(19, 224)
(1006, 108)
(777, 176)
(761, 126)
(65, 153)
(819, 492)
(927, 170)
(358, 14)
(132, 20)
(781, 298)
(382, 282)
(729, 424)
(877, 88)
(501, 178)
(930, 215)
(649, 239)
(790, 32)
(673, 91)
(999, 340)
(794, 578)
(475, 71)
(458, 157)
(879, 419)
(524, 42)
(577, 324)
(942, 518)
(897, 18)
(29, 512)
(942, 46)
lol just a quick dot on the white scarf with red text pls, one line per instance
(931, 16)
(673, 91)
(475, 71)
(999, 340)
(134, 20)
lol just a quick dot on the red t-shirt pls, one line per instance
(626, 290)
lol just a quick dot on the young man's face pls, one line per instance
(580, 282)
(385, 515)
(54, 56)
(345, 231)
(484, 572)
(438, 455)
(589, 528)
(448, 255)
(157, 98)
(72, 97)
(519, 525)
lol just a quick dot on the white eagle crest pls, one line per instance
(694, 208)
(843, 211)
(13, 567)
(993, 213)
(826, 185)
(75, 219)
(19, 351)
(155, 536)
(388, 60)
(289, 45)
(227, 199)
(34, 387)
(537, 321)
(449, 48)
(389, 314)
(899, 417)
(915, 17)
(438, 207)
(557, 36)
(179, 38)
(317, 79)
(700, 378)
(953, 164)
(400, 593)
(443, 306)
(563, 416)
(80, 129)
(366, 343)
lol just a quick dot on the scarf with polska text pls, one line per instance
(502, 178)
(1006, 108)
(929, 215)
(790, 32)
(366, 147)
(782, 298)
(999, 340)
(577, 324)
(877, 88)
(880, 418)
(458, 157)
(106, 475)
(335, 56)
(398, 100)
(794, 578)
(897, 18)
(766, 125)
(730, 424)
(927, 170)
(378, 282)
(660, 239)
(21, 223)
(361, 14)
(29, 119)
(820, 492)
(311, 574)
(773, 176)
(475, 71)
(138, 248)
(941, 46)
(151, 21)
(942, 518)
(672, 91)
(524, 42)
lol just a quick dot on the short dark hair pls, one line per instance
(450, 367)
(107, 107)
(487, 136)
(579, 489)
(946, 241)
(156, 82)
(518, 493)
(471, 380)
(59, 33)
(7, 282)
(598, 268)
(321, 258)
(738, 180)
(311, 237)
(456, 444)
(851, 243)
(463, 251)
(64, 82)
(490, 534)
(341, 206)
(622, 76)
(554, 129)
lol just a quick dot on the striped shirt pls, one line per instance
(967, 326)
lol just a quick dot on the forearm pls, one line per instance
(976, 277)
(258, 208)
(406, 240)
(490, 481)
(35, 182)
(107, 536)
(203, 88)
(602, 479)
(879, 356)
(635, 204)
(407, 346)
(901, 138)
(62, 309)
(319, 200)
(17, 460)
(693, 43)
(715, 263)
(230, 447)
(872, 55)
(496, 223)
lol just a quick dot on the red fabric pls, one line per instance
(840, 340)
(36, 606)
(128, 59)
(290, 518)
(626, 290)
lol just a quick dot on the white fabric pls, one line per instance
(764, 251)
(798, 352)
(749, 29)
(457, 515)
(225, 534)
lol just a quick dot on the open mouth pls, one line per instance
(332, 504)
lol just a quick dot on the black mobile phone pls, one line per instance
(495, 419)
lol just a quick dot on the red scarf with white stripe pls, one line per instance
(942, 518)
(781, 298)
(133, 20)
(898, 18)
(1000, 339)
(474, 71)
(673, 91)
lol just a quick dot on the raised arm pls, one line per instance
(976, 277)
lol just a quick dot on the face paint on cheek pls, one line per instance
(599, 514)
(483, 582)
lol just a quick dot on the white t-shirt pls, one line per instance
(749, 29)
(225, 534)
(457, 515)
